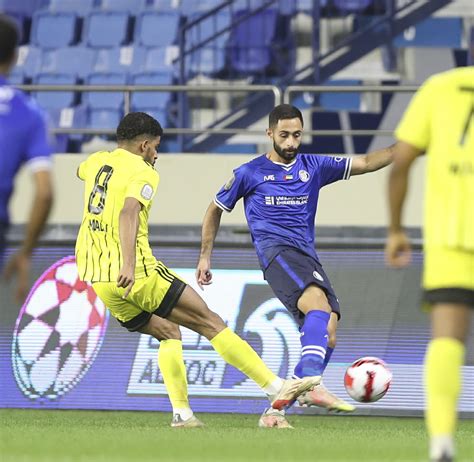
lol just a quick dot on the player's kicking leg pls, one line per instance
(192, 312)
(173, 370)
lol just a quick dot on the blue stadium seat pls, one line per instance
(55, 99)
(363, 121)
(207, 28)
(17, 77)
(106, 29)
(104, 118)
(76, 60)
(142, 101)
(161, 115)
(285, 7)
(432, 32)
(251, 41)
(29, 61)
(105, 100)
(120, 59)
(352, 5)
(326, 144)
(165, 5)
(156, 29)
(207, 61)
(189, 8)
(71, 117)
(23, 7)
(80, 7)
(341, 101)
(130, 6)
(54, 30)
(161, 59)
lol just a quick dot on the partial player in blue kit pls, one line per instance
(23, 141)
(280, 190)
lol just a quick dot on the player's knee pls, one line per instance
(211, 324)
(169, 332)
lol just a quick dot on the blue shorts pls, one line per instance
(290, 272)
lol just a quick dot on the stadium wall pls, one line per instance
(188, 182)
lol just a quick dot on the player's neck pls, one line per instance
(276, 158)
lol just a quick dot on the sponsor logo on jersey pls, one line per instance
(269, 200)
(338, 159)
(317, 276)
(304, 176)
(229, 183)
(269, 178)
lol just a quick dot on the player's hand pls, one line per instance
(397, 249)
(203, 273)
(19, 265)
(126, 279)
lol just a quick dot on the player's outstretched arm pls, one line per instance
(19, 263)
(372, 161)
(210, 226)
(397, 248)
(128, 229)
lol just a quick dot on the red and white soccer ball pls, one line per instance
(367, 379)
(58, 332)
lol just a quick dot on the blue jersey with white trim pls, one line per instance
(23, 140)
(281, 200)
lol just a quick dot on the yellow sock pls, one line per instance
(171, 364)
(241, 355)
(444, 358)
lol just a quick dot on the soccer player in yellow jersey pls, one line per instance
(112, 252)
(440, 122)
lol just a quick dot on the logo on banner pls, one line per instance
(58, 333)
(254, 313)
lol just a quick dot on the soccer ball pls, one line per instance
(58, 332)
(367, 379)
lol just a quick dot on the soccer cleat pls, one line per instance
(291, 389)
(192, 422)
(320, 396)
(442, 448)
(271, 418)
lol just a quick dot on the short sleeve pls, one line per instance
(414, 128)
(38, 149)
(333, 168)
(81, 170)
(143, 185)
(235, 188)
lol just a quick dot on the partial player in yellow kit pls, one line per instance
(113, 252)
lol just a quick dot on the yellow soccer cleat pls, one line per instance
(320, 396)
(271, 418)
(291, 389)
(192, 422)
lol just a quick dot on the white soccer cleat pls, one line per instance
(271, 418)
(192, 422)
(442, 448)
(320, 396)
(291, 389)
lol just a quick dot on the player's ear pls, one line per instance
(144, 145)
(269, 132)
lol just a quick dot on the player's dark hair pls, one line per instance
(9, 37)
(137, 124)
(284, 111)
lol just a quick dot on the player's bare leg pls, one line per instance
(192, 312)
(173, 370)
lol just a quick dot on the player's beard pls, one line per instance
(284, 154)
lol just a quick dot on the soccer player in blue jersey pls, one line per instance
(280, 191)
(23, 141)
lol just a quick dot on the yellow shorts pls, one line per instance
(448, 276)
(155, 294)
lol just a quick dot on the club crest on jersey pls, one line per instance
(304, 176)
(147, 192)
(229, 183)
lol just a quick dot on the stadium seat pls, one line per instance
(341, 101)
(206, 28)
(80, 7)
(23, 7)
(161, 115)
(251, 42)
(76, 60)
(363, 121)
(106, 29)
(165, 5)
(285, 7)
(433, 32)
(326, 144)
(103, 118)
(17, 77)
(143, 101)
(120, 59)
(54, 30)
(130, 6)
(55, 99)
(207, 61)
(351, 6)
(71, 117)
(156, 28)
(29, 61)
(161, 59)
(190, 8)
(105, 100)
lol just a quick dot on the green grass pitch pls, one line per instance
(108, 436)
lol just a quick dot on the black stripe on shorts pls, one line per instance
(449, 295)
(171, 298)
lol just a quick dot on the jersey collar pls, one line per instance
(281, 164)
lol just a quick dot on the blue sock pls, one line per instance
(314, 340)
(329, 351)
